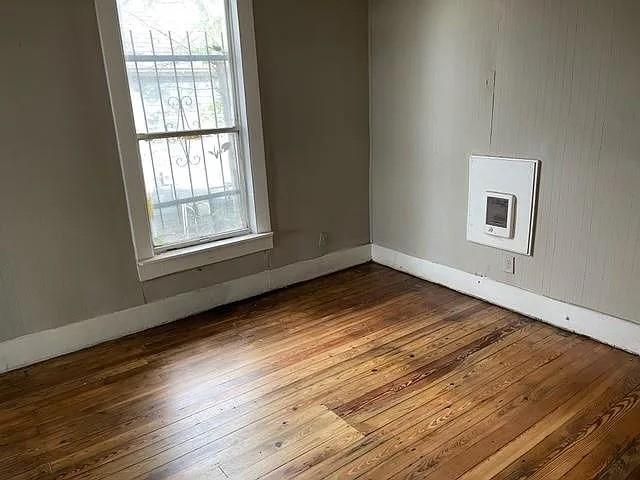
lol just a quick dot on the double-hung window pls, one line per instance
(183, 82)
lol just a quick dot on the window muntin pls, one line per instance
(182, 88)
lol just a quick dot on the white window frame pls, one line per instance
(152, 264)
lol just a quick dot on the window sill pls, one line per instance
(205, 254)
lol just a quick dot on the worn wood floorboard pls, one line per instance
(368, 373)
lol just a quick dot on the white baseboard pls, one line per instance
(36, 347)
(605, 328)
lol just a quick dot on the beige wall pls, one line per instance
(314, 80)
(65, 247)
(567, 92)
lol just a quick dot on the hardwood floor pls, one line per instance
(368, 373)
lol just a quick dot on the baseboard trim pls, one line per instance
(604, 328)
(36, 347)
(40, 346)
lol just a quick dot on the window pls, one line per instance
(184, 91)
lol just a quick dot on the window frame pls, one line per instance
(153, 262)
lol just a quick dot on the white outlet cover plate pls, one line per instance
(515, 176)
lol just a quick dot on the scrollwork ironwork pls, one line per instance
(178, 104)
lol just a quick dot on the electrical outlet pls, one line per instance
(323, 240)
(509, 264)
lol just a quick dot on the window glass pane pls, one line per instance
(178, 64)
(195, 187)
(180, 76)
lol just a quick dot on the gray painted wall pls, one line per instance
(567, 92)
(65, 248)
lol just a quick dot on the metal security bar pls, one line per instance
(184, 109)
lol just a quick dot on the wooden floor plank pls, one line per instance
(253, 397)
(366, 373)
(394, 444)
(622, 381)
(532, 423)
